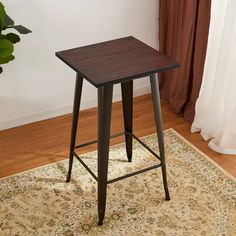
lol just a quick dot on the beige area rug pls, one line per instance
(203, 197)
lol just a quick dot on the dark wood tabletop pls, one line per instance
(116, 61)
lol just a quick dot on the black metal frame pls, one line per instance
(104, 123)
(124, 176)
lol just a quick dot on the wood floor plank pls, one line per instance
(47, 141)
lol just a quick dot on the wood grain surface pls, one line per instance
(115, 61)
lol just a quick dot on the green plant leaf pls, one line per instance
(14, 38)
(4, 60)
(2, 17)
(9, 21)
(21, 29)
(6, 48)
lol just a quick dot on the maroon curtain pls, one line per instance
(183, 34)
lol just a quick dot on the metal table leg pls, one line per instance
(158, 120)
(127, 99)
(104, 123)
(76, 108)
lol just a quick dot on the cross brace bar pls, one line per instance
(124, 176)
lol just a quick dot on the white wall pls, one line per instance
(37, 85)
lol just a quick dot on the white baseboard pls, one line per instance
(62, 110)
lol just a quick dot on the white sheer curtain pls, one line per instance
(216, 106)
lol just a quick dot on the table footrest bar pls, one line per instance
(133, 173)
(124, 176)
(95, 141)
(148, 148)
(118, 178)
(86, 167)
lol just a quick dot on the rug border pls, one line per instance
(172, 129)
(203, 154)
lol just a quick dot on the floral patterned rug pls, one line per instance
(203, 197)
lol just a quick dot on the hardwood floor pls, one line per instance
(44, 142)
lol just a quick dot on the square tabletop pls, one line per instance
(116, 61)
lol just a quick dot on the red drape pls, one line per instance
(183, 34)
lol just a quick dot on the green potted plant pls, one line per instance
(7, 40)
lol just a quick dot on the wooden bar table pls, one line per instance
(103, 65)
